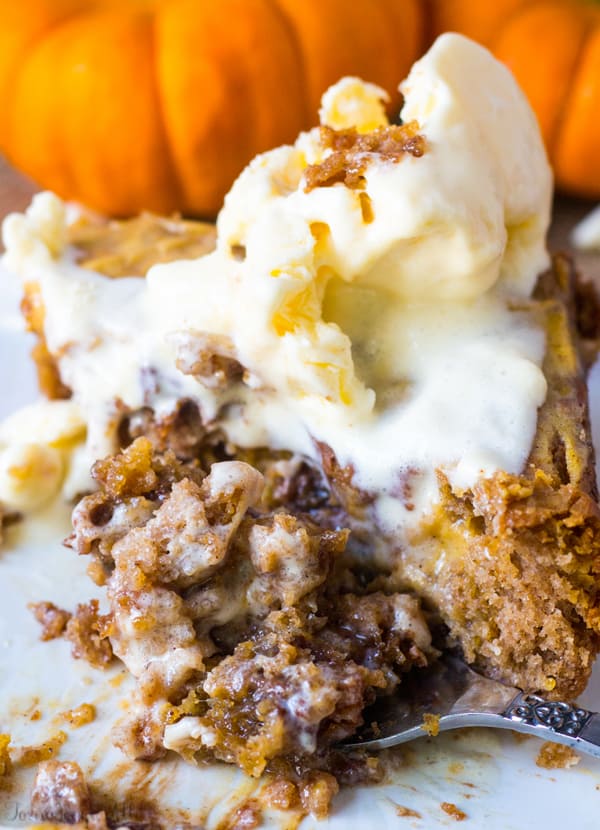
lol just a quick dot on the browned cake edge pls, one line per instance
(513, 564)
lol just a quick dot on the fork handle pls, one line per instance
(557, 721)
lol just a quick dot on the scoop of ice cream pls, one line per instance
(488, 175)
(361, 294)
(36, 444)
(472, 209)
(449, 206)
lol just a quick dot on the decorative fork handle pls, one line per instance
(558, 721)
(464, 698)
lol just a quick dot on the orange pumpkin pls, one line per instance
(159, 104)
(553, 48)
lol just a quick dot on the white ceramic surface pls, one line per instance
(489, 775)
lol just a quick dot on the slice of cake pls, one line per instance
(362, 417)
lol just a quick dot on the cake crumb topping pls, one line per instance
(352, 151)
(52, 619)
(87, 630)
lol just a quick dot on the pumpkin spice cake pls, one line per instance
(345, 432)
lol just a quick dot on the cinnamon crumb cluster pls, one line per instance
(351, 153)
(87, 630)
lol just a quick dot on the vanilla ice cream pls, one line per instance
(36, 448)
(387, 319)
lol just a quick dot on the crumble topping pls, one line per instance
(230, 616)
(52, 619)
(299, 685)
(86, 629)
(352, 151)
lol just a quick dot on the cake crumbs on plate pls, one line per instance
(29, 756)
(87, 630)
(406, 812)
(431, 724)
(52, 619)
(5, 762)
(79, 716)
(453, 811)
(556, 756)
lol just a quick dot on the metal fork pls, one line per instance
(460, 697)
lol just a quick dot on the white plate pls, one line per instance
(490, 775)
